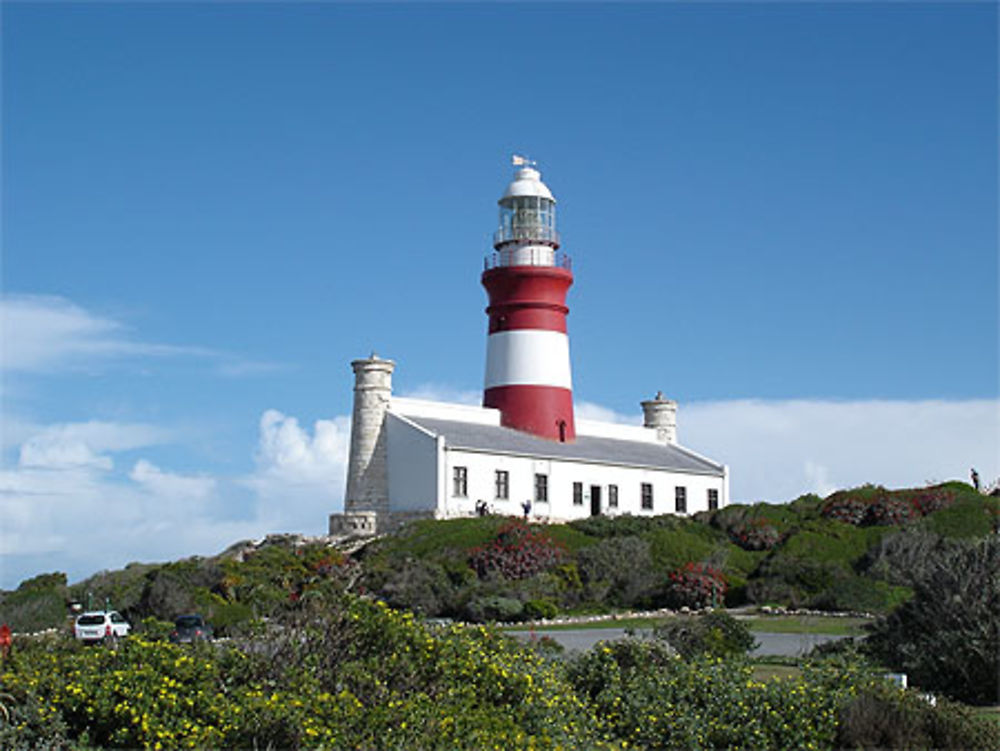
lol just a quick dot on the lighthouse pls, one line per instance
(528, 377)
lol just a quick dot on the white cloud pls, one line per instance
(597, 413)
(778, 450)
(302, 475)
(172, 486)
(43, 333)
(46, 333)
(86, 444)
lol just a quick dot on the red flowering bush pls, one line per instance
(518, 552)
(889, 510)
(929, 500)
(845, 508)
(696, 585)
(755, 534)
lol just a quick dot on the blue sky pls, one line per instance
(783, 215)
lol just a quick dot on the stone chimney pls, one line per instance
(660, 414)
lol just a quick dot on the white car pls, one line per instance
(100, 625)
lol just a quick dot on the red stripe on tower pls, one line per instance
(527, 352)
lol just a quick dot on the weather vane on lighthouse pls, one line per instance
(522, 161)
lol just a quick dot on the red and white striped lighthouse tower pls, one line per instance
(527, 353)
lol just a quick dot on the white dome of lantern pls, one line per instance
(527, 234)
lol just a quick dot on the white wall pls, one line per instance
(481, 469)
(412, 466)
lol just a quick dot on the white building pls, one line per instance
(525, 452)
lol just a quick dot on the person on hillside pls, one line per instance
(975, 479)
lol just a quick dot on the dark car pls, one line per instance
(190, 628)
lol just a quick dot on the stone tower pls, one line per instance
(367, 495)
(660, 414)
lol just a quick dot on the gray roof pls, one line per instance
(496, 439)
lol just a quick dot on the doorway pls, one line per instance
(595, 500)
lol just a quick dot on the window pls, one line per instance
(541, 488)
(713, 499)
(680, 499)
(577, 493)
(502, 484)
(460, 482)
(612, 496)
(647, 495)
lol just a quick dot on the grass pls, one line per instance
(810, 624)
(637, 622)
(785, 624)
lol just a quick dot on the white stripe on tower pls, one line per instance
(528, 357)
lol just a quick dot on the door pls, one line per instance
(595, 500)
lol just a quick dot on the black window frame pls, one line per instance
(460, 481)
(577, 493)
(612, 496)
(501, 484)
(541, 487)
(646, 496)
(680, 499)
(713, 499)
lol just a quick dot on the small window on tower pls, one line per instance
(460, 482)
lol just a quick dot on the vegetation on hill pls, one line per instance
(851, 551)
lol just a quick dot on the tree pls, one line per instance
(947, 638)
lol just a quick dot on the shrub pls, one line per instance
(38, 603)
(716, 634)
(890, 510)
(947, 637)
(755, 534)
(540, 609)
(421, 586)
(518, 552)
(885, 717)
(618, 570)
(696, 585)
(844, 508)
(495, 608)
(647, 698)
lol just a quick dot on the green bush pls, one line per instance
(349, 674)
(540, 609)
(716, 634)
(495, 608)
(649, 699)
(885, 717)
(618, 570)
(38, 603)
(947, 637)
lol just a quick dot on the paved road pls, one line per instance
(786, 645)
